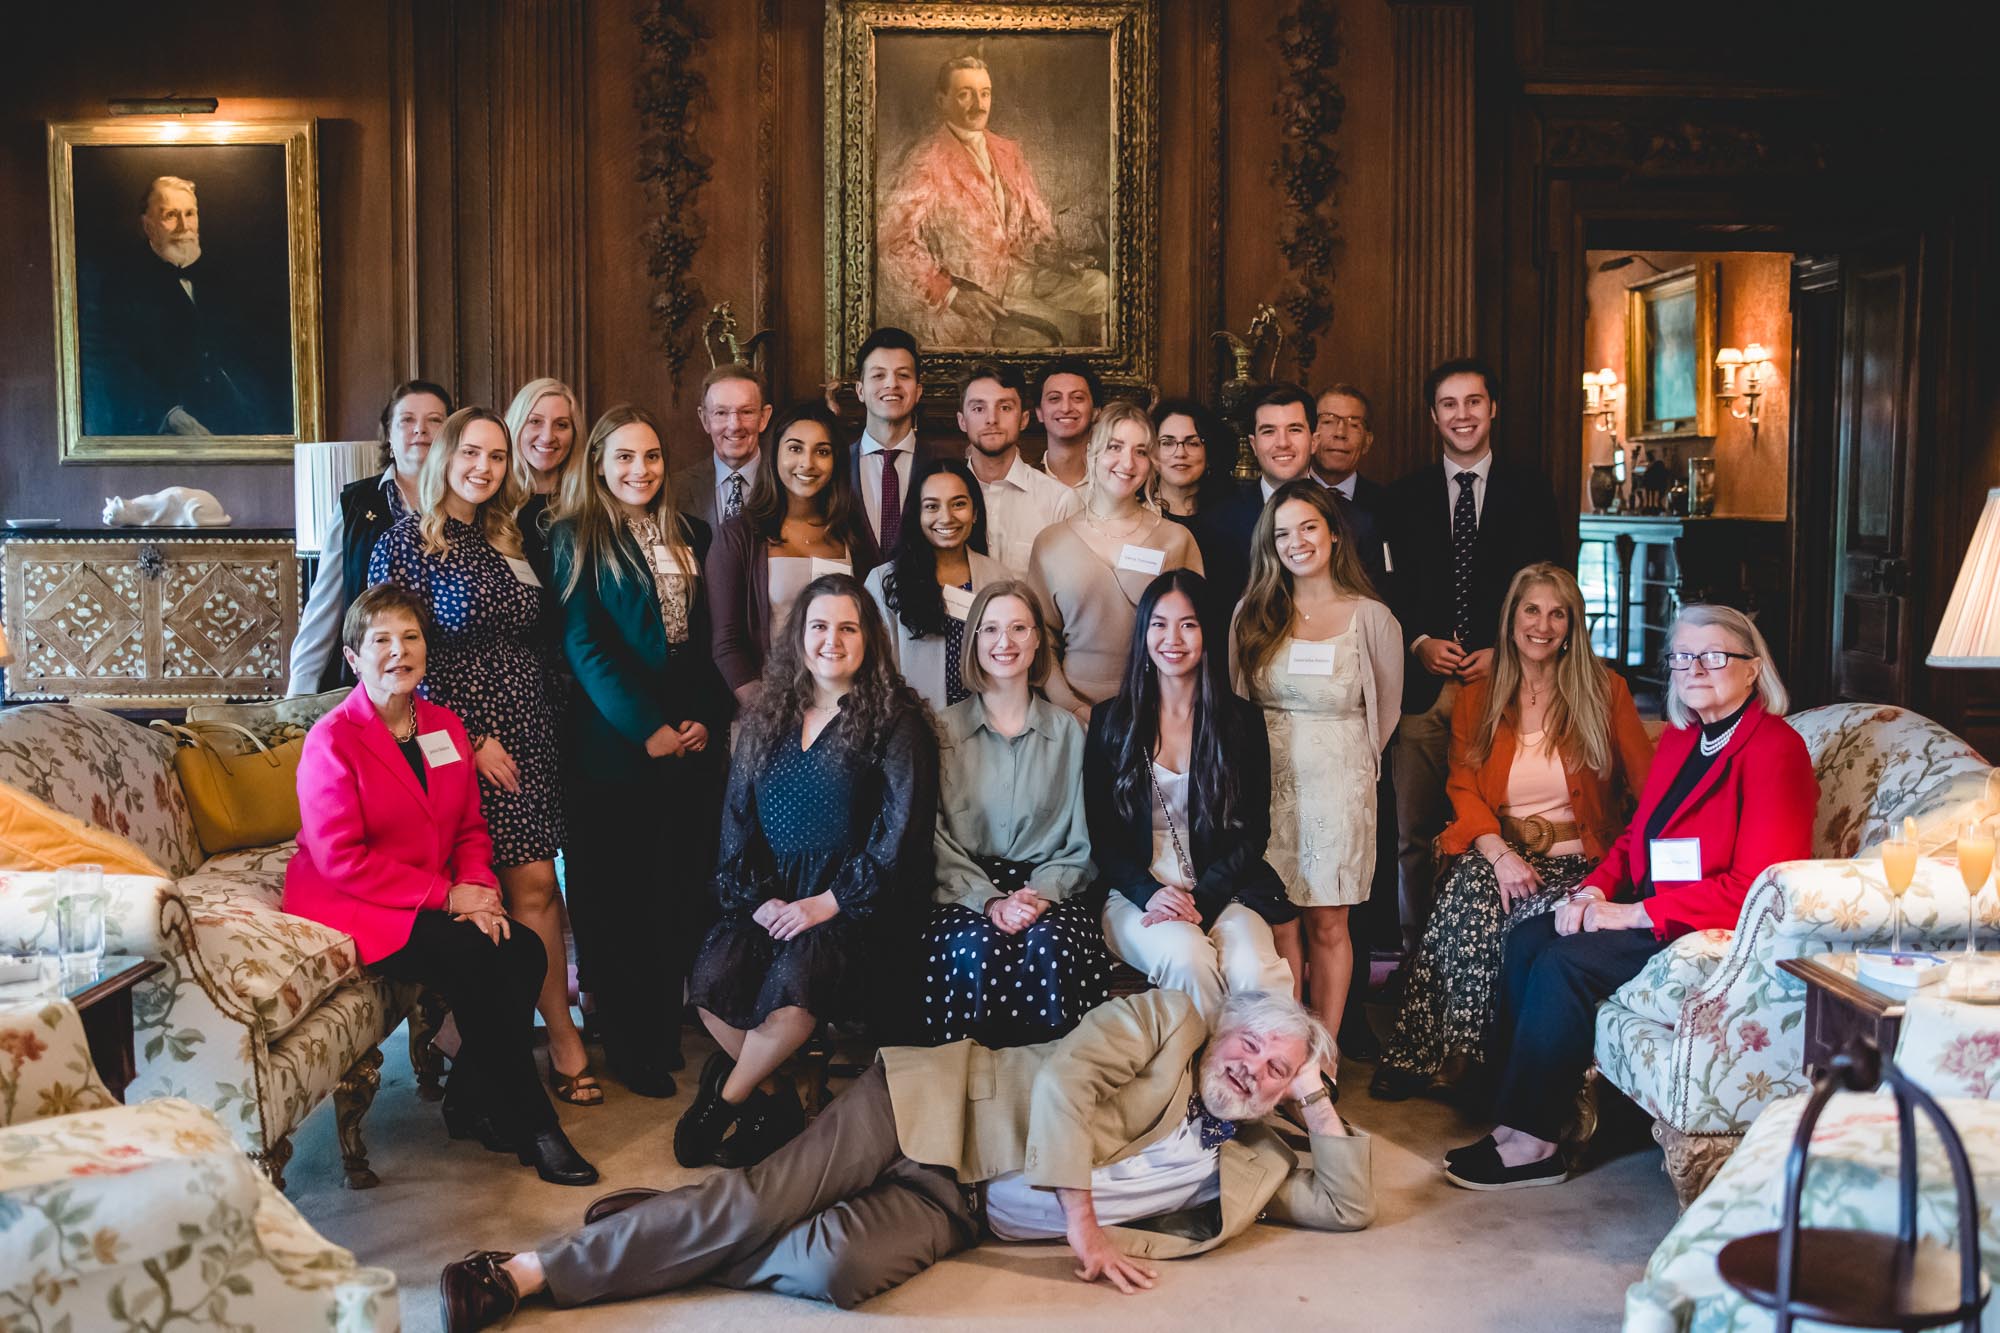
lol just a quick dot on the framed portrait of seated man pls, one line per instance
(992, 173)
(187, 300)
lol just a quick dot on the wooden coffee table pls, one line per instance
(1840, 1007)
(103, 996)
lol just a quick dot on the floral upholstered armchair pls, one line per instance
(1712, 1030)
(258, 1016)
(148, 1216)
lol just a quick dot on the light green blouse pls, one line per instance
(1015, 797)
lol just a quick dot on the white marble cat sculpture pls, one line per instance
(175, 507)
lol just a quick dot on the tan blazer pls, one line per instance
(1117, 1084)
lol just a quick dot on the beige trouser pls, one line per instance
(1237, 953)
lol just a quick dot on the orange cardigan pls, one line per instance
(1476, 796)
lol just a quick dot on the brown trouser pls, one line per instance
(838, 1214)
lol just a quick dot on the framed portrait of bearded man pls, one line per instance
(187, 299)
(992, 179)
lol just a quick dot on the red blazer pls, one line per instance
(375, 848)
(1752, 809)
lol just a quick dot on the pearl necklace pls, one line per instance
(1712, 748)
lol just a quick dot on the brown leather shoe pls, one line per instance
(476, 1292)
(616, 1202)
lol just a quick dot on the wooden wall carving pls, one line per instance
(1307, 171)
(673, 168)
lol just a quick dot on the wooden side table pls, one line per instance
(103, 996)
(1840, 1007)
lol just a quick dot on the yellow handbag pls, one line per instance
(240, 797)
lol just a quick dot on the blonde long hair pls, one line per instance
(1266, 617)
(495, 516)
(1116, 414)
(518, 412)
(1578, 722)
(595, 519)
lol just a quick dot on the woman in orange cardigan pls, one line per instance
(1546, 757)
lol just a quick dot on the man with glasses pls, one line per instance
(733, 414)
(1341, 439)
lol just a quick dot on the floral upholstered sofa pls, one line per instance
(1953, 1051)
(258, 1016)
(1712, 1031)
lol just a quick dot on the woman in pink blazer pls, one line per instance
(393, 850)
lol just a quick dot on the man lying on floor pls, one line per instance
(1135, 1137)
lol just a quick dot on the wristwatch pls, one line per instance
(1318, 1094)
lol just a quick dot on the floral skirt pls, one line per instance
(1448, 1003)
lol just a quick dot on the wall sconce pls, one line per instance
(1602, 395)
(1744, 373)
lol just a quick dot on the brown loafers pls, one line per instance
(476, 1292)
(616, 1202)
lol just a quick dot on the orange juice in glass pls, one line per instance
(1975, 865)
(1899, 867)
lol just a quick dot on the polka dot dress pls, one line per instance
(488, 663)
(1012, 990)
(954, 654)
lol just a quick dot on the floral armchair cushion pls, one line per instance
(1878, 764)
(1950, 1048)
(277, 966)
(1851, 1181)
(45, 1066)
(104, 770)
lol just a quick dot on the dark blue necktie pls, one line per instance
(1464, 532)
(1214, 1132)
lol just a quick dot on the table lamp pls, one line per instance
(319, 469)
(1970, 634)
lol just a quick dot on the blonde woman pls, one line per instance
(489, 663)
(1316, 649)
(543, 421)
(1546, 754)
(1095, 566)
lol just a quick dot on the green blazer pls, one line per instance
(631, 681)
(1114, 1086)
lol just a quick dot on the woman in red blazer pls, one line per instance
(393, 850)
(1731, 793)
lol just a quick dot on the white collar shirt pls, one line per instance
(1174, 1173)
(1018, 507)
(1480, 471)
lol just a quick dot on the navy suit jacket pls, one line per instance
(873, 554)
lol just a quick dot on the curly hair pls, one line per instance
(874, 703)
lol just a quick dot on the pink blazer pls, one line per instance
(375, 848)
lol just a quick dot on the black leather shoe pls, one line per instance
(556, 1159)
(647, 1075)
(1394, 1084)
(1358, 1041)
(703, 1124)
(476, 1292)
(461, 1123)
(616, 1202)
(769, 1121)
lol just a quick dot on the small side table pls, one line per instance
(103, 996)
(1840, 1007)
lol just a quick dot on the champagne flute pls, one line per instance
(1975, 865)
(1899, 867)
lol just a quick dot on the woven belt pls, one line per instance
(1534, 835)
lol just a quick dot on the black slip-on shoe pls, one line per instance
(1485, 1171)
(556, 1159)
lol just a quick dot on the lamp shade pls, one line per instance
(319, 469)
(1970, 634)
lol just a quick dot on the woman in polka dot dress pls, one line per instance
(1014, 954)
(490, 657)
(824, 867)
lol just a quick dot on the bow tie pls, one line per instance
(1214, 1131)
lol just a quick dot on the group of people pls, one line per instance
(862, 732)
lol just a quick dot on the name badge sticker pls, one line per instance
(821, 568)
(523, 571)
(438, 749)
(1310, 659)
(671, 561)
(1675, 860)
(1142, 559)
(957, 602)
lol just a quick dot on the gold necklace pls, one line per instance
(1108, 531)
(405, 737)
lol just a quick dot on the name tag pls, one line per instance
(523, 571)
(1142, 559)
(1675, 860)
(670, 561)
(957, 602)
(1310, 659)
(821, 568)
(437, 747)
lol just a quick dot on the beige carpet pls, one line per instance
(1436, 1258)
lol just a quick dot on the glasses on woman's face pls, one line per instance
(1173, 444)
(1714, 659)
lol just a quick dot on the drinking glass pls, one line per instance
(1975, 866)
(80, 915)
(1899, 867)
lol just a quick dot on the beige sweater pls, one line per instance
(1091, 605)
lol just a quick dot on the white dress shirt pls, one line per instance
(1018, 507)
(872, 450)
(723, 472)
(1345, 487)
(1174, 1173)
(1479, 470)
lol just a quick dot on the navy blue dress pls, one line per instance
(489, 656)
(845, 817)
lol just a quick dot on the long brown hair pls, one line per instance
(1266, 617)
(1578, 722)
(768, 502)
(596, 521)
(495, 516)
(518, 413)
(874, 704)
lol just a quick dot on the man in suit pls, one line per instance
(1458, 531)
(886, 457)
(1020, 500)
(1135, 1137)
(733, 413)
(1281, 437)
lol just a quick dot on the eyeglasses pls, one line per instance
(1714, 659)
(1178, 442)
(1355, 424)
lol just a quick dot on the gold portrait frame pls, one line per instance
(1699, 280)
(1130, 352)
(300, 141)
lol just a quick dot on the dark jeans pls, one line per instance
(491, 988)
(1550, 987)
